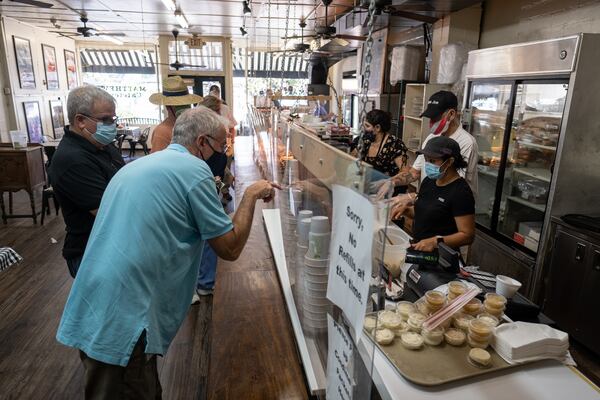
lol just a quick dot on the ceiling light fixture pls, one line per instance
(170, 4)
(243, 30)
(111, 39)
(247, 9)
(181, 20)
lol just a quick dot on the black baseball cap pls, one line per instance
(439, 102)
(442, 147)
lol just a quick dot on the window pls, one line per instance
(207, 58)
(130, 76)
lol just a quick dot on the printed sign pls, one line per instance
(350, 254)
(339, 362)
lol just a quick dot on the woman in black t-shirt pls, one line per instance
(444, 210)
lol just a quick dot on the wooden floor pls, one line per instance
(252, 358)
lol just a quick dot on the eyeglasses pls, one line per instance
(224, 147)
(105, 120)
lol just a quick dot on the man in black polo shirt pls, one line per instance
(83, 164)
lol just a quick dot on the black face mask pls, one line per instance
(216, 156)
(369, 136)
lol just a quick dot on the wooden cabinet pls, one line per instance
(20, 169)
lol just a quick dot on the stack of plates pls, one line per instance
(315, 303)
(518, 342)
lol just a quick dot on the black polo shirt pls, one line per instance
(436, 207)
(79, 174)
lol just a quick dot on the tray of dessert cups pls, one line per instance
(458, 348)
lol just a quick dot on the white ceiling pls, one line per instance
(143, 20)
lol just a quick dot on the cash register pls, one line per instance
(432, 270)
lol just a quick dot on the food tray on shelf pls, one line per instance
(437, 365)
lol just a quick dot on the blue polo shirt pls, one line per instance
(141, 263)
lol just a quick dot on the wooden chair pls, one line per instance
(47, 194)
(142, 140)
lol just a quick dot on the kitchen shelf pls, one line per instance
(543, 113)
(536, 146)
(538, 207)
(487, 172)
(416, 98)
(538, 173)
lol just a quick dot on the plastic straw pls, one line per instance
(450, 309)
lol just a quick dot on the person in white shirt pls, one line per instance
(442, 110)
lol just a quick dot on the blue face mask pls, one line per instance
(105, 134)
(433, 171)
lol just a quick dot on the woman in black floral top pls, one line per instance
(384, 151)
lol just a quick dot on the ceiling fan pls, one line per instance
(299, 47)
(325, 31)
(178, 65)
(34, 3)
(404, 11)
(86, 31)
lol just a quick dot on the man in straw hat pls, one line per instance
(176, 98)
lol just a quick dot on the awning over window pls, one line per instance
(264, 64)
(118, 61)
(261, 64)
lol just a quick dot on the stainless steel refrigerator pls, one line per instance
(534, 109)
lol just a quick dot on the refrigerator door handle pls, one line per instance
(596, 261)
(580, 252)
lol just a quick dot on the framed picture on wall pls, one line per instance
(57, 114)
(33, 119)
(71, 65)
(49, 56)
(24, 63)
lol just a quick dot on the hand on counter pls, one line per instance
(426, 244)
(264, 190)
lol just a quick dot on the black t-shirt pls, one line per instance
(79, 174)
(436, 207)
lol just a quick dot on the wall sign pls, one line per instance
(24, 63)
(33, 120)
(49, 57)
(57, 115)
(71, 66)
(339, 362)
(350, 254)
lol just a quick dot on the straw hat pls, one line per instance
(175, 93)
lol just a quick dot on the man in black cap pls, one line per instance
(442, 111)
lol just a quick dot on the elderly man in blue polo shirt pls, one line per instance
(140, 266)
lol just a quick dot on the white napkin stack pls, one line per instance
(518, 342)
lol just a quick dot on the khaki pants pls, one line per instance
(138, 380)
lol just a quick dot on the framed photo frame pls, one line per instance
(33, 120)
(49, 57)
(24, 62)
(71, 66)
(57, 114)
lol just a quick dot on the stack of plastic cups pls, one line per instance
(316, 274)
(289, 217)
(301, 249)
(291, 243)
(293, 172)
